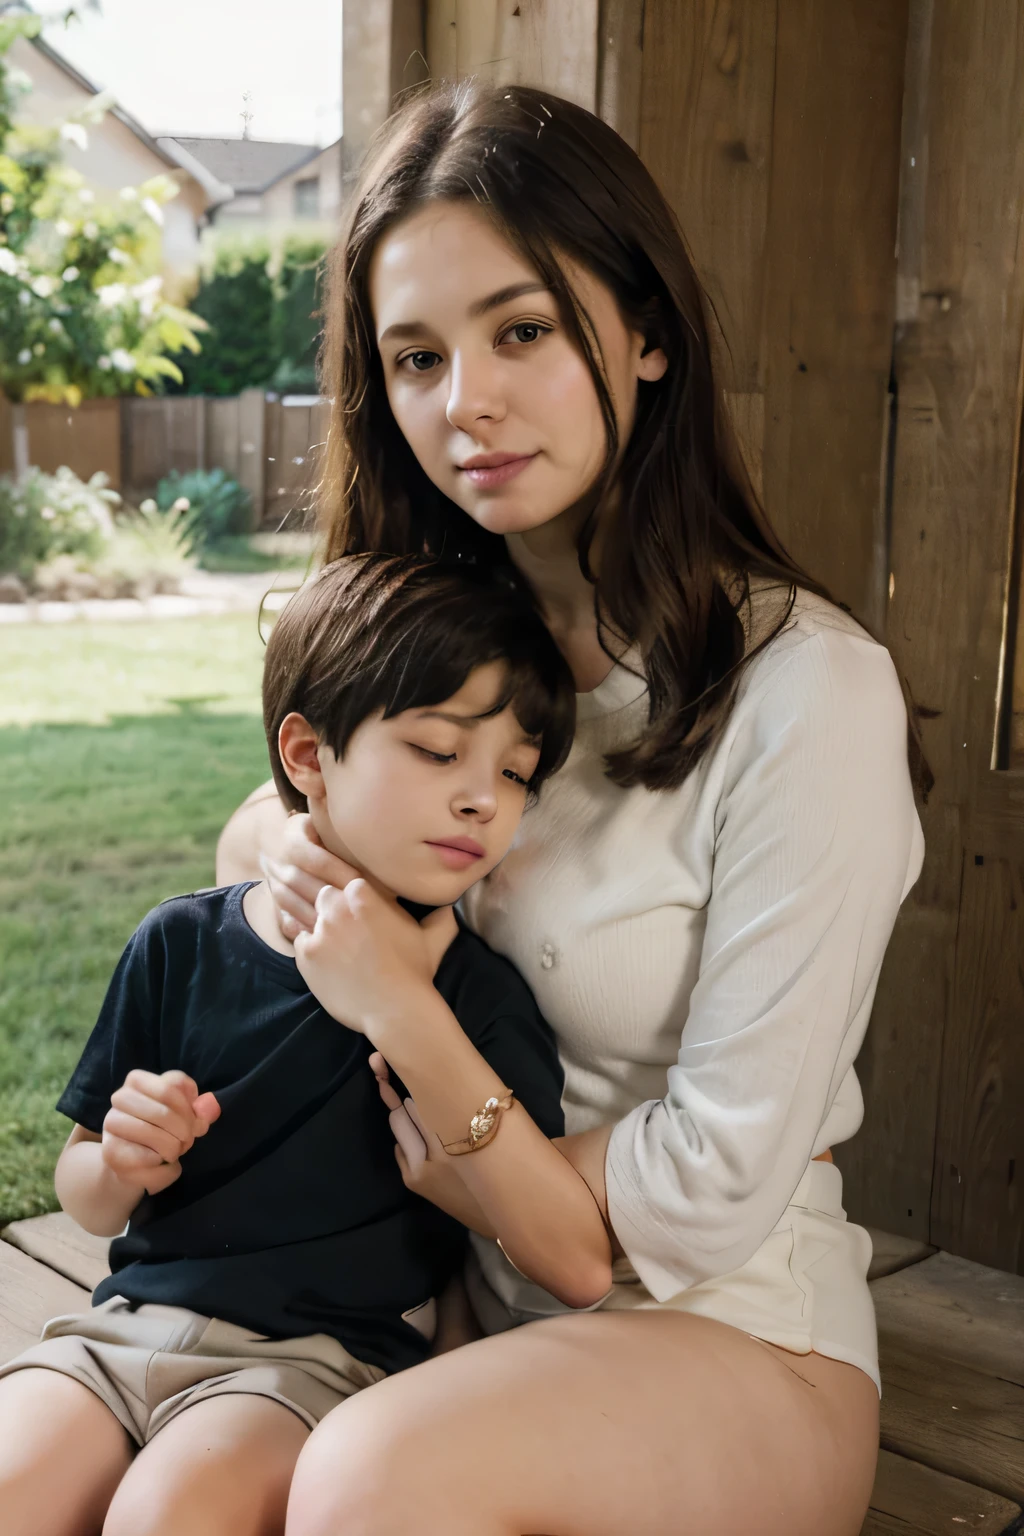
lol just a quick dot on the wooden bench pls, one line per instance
(951, 1338)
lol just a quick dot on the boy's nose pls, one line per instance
(479, 805)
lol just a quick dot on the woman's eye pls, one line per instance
(435, 757)
(526, 331)
(422, 362)
(516, 778)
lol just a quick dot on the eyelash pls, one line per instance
(449, 757)
(537, 325)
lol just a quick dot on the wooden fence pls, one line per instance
(272, 445)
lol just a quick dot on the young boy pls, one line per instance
(272, 1251)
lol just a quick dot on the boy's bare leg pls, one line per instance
(62, 1455)
(221, 1468)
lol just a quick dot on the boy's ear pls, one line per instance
(297, 744)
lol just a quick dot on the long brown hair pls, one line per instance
(680, 541)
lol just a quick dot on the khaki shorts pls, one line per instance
(149, 1363)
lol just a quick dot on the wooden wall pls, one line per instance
(877, 408)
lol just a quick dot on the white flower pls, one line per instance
(151, 285)
(64, 227)
(43, 286)
(103, 362)
(149, 505)
(24, 298)
(122, 360)
(86, 195)
(55, 326)
(8, 261)
(121, 258)
(111, 295)
(69, 274)
(6, 202)
(18, 79)
(25, 356)
(47, 514)
(129, 195)
(154, 210)
(181, 505)
(74, 133)
(90, 229)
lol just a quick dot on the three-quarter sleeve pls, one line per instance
(816, 841)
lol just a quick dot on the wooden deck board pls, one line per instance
(890, 1253)
(960, 1311)
(914, 1500)
(30, 1294)
(61, 1244)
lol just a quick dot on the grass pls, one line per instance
(258, 552)
(123, 749)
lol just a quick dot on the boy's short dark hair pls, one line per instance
(379, 634)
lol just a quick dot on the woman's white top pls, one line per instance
(708, 955)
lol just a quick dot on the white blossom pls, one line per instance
(154, 210)
(43, 285)
(55, 326)
(18, 79)
(47, 514)
(69, 274)
(122, 360)
(90, 229)
(8, 261)
(86, 195)
(64, 227)
(129, 194)
(103, 362)
(111, 295)
(182, 504)
(119, 257)
(74, 133)
(24, 298)
(149, 505)
(25, 356)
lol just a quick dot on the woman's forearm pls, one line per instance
(543, 1211)
(255, 829)
(90, 1192)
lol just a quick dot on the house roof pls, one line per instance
(247, 165)
(94, 90)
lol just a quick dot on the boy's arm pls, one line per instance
(89, 1190)
(152, 1122)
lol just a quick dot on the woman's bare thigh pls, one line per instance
(597, 1424)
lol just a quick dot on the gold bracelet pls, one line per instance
(484, 1125)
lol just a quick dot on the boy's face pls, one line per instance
(428, 802)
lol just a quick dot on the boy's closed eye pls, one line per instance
(444, 758)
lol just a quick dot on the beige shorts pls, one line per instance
(149, 1363)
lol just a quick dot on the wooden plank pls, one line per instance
(952, 1418)
(706, 136)
(620, 48)
(891, 1253)
(60, 1243)
(912, 1500)
(30, 1294)
(87, 438)
(952, 1309)
(830, 282)
(548, 43)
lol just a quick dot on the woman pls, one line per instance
(700, 901)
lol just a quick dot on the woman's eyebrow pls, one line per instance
(408, 330)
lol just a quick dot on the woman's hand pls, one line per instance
(298, 876)
(426, 1168)
(366, 960)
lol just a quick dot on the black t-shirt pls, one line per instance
(290, 1216)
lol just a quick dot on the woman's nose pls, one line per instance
(474, 393)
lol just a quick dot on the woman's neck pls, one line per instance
(548, 558)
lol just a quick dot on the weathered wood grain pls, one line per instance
(953, 1309)
(911, 1500)
(890, 1253)
(30, 1294)
(61, 1244)
(548, 43)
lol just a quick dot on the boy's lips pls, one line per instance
(458, 852)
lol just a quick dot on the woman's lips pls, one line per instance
(487, 477)
(459, 854)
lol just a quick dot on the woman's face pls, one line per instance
(484, 382)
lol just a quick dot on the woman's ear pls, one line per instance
(652, 359)
(297, 744)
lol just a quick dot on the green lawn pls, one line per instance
(123, 749)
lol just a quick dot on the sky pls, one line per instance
(182, 66)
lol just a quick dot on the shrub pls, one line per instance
(236, 300)
(215, 505)
(295, 326)
(42, 516)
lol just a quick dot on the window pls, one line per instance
(307, 198)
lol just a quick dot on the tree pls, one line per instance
(82, 312)
(236, 301)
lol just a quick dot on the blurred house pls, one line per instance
(119, 151)
(274, 186)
